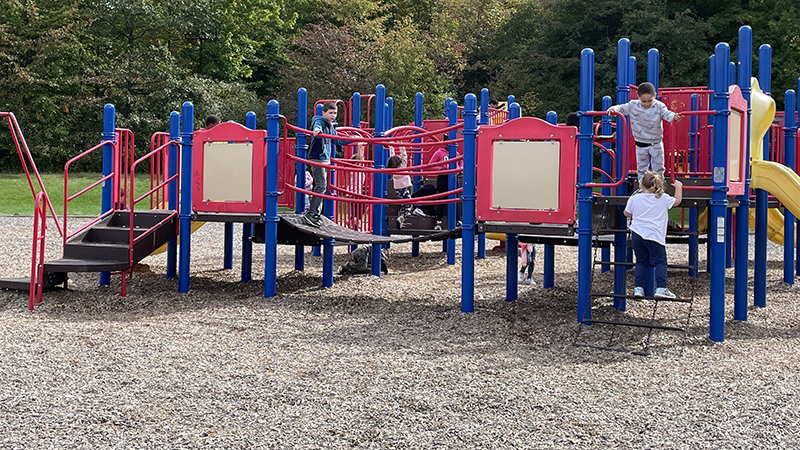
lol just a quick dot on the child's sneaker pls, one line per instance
(400, 221)
(438, 226)
(419, 212)
(664, 293)
(530, 282)
(313, 219)
(520, 277)
(638, 291)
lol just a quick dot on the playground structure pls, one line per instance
(236, 173)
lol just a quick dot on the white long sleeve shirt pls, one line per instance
(646, 122)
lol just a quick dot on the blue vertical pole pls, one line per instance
(172, 189)
(731, 73)
(452, 208)
(743, 210)
(509, 101)
(511, 267)
(585, 200)
(107, 201)
(388, 119)
(760, 269)
(247, 228)
(719, 201)
(185, 214)
(652, 67)
(620, 239)
(379, 179)
(300, 169)
(605, 164)
(271, 194)
(549, 269)
(712, 76)
(789, 159)
(468, 205)
(484, 120)
(632, 70)
(693, 256)
(327, 244)
(418, 117)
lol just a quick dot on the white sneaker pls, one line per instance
(638, 291)
(530, 282)
(419, 212)
(520, 277)
(400, 221)
(664, 293)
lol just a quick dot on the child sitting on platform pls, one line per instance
(527, 256)
(402, 186)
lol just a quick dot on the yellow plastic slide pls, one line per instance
(195, 226)
(784, 184)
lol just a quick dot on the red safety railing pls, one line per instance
(112, 177)
(159, 170)
(37, 256)
(26, 159)
(341, 106)
(625, 139)
(149, 194)
(126, 147)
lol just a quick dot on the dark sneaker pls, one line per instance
(438, 226)
(313, 219)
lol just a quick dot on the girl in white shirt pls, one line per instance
(649, 215)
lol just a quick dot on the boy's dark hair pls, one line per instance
(493, 101)
(212, 120)
(573, 120)
(646, 88)
(394, 162)
(327, 106)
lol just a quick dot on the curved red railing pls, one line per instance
(37, 257)
(26, 159)
(622, 176)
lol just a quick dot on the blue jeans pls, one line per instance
(646, 250)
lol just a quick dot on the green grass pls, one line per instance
(16, 197)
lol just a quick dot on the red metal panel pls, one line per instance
(286, 173)
(230, 132)
(433, 125)
(739, 104)
(531, 129)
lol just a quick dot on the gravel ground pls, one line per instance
(381, 363)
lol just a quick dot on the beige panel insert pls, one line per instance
(735, 143)
(526, 175)
(228, 172)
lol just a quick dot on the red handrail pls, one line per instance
(134, 200)
(112, 176)
(159, 168)
(37, 260)
(125, 142)
(622, 176)
(20, 143)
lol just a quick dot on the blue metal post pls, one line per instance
(693, 256)
(549, 269)
(712, 76)
(107, 201)
(511, 267)
(509, 101)
(452, 183)
(172, 190)
(468, 205)
(760, 269)
(185, 214)
(605, 164)
(620, 239)
(271, 194)
(719, 201)
(379, 179)
(652, 67)
(789, 159)
(247, 228)
(731, 73)
(484, 120)
(743, 210)
(632, 69)
(300, 169)
(418, 117)
(585, 197)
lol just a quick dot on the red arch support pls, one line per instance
(527, 170)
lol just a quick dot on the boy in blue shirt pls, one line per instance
(320, 151)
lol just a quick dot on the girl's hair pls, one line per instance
(394, 162)
(653, 183)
